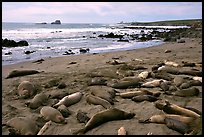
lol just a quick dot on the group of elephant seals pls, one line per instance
(17, 73)
(37, 101)
(50, 113)
(69, 100)
(23, 126)
(25, 89)
(105, 116)
(91, 99)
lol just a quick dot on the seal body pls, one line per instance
(37, 101)
(17, 73)
(105, 116)
(141, 98)
(98, 101)
(70, 99)
(50, 113)
(193, 91)
(151, 84)
(25, 89)
(131, 94)
(24, 125)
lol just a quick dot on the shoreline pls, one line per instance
(74, 70)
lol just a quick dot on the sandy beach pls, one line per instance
(76, 71)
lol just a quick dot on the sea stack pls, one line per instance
(56, 22)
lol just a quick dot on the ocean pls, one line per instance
(52, 40)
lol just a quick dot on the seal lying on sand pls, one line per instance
(50, 113)
(127, 82)
(17, 73)
(131, 94)
(25, 89)
(175, 109)
(69, 100)
(23, 125)
(98, 101)
(141, 98)
(193, 91)
(105, 116)
(38, 100)
(103, 92)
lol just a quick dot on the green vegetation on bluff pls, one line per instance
(191, 22)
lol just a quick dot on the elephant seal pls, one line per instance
(175, 109)
(70, 99)
(164, 86)
(105, 116)
(191, 72)
(177, 125)
(25, 89)
(198, 78)
(178, 80)
(141, 98)
(160, 119)
(44, 128)
(171, 63)
(37, 101)
(143, 75)
(162, 75)
(23, 125)
(64, 111)
(152, 84)
(17, 73)
(50, 113)
(127, 83)
(103, 92)
(82, 117)
(98, 101)
(131, 94)
(122, 131)
(97, 81)
(193, 91)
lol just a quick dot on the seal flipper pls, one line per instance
(79, 132)
(177, 125)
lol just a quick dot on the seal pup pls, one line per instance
(152, 84)
(25, 89)
(23, 125)
(122, 131)
(37, 101)
(50, 113)
(171, 63)
(141, 98)
(105, 116)
(17, 73)
(70, 99)
(131, 94)
(98, 101)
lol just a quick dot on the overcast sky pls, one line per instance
(99, 12)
